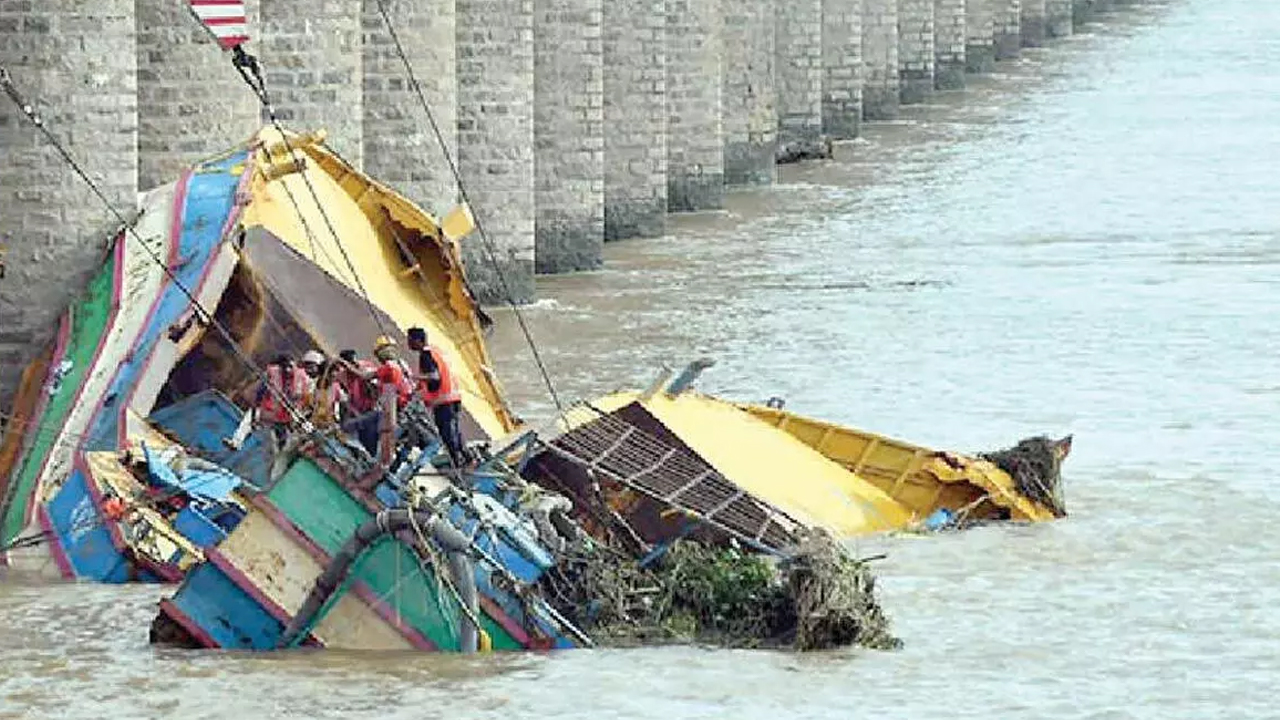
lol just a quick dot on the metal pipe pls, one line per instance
(389, 522)
(690, 373)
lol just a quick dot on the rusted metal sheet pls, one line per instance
(644, 470)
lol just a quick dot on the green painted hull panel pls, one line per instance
(89, 319)
(323, 511)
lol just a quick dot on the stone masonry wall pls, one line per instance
(191, 103)
(749, 107)
(842, 68)
(880, 93)
(980, 46)
(1084, 11)
(635, 118)
(1058, 18)
(800, 71)
(1033, 23)
(568, 134)
(399, 146)
(695, 140)
(75, 62)
(915, 50)
(1008, 28)
(495, 141)
(311, 58)
(949, 44)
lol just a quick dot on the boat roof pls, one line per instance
(771, 465)
(373, 228)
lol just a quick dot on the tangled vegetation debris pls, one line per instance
(819, 598)
(1035, 464)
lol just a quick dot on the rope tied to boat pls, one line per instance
(202, 315)
(250, 70)
(441, 580)
(490, 249)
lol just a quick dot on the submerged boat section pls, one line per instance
(274, 247)
(129, 459)
(656, 448)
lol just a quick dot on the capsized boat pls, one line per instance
(670, 462)
(276, 246)
(420, 562)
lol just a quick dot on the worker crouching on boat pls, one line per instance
(436, 387)
(357, 378)
(285, 391)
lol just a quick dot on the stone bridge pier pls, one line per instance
(572, 122)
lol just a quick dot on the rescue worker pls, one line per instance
(290, 381)
(439, 391)
(312, 361)
(283, 380)
(365, 383)
(328, 398)
(357, 378)
(391, 371)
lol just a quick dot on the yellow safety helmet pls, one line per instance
(383, 341)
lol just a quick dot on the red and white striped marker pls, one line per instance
(225, 20)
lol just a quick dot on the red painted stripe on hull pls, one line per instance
(55, 546)
(116, 286)
(175, 235)
(197, 633)
(383, 610)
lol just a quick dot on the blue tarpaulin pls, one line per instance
(206, 481)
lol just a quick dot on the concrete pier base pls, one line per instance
(800, 75)
(880, 90)
(400, 148)
(191, 103)
(1085, 11)
(568, 130)
(695, 139)
(749, 105)
(495, 140)
(916, 50)
(484, 278)
(980, 44)
(1058, 18)
(311, 56)
(635, 113)
(1008, 28)
(1033, 23)
(949, 44)
(76, 63)
(841, 69)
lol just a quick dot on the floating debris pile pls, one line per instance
(1036, 467)
(819, 598)
(207, 420)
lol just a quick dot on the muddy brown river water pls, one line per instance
(1087, 242)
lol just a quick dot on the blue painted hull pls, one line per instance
(228, 615)
(200, 423)
(83, 534)
(209, 201)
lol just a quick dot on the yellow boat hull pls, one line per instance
(847, 481)
(921, 479)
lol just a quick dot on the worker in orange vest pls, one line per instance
(392, 371)
(357, 379)
(439, 391)
(289, 381)
(283, 380)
